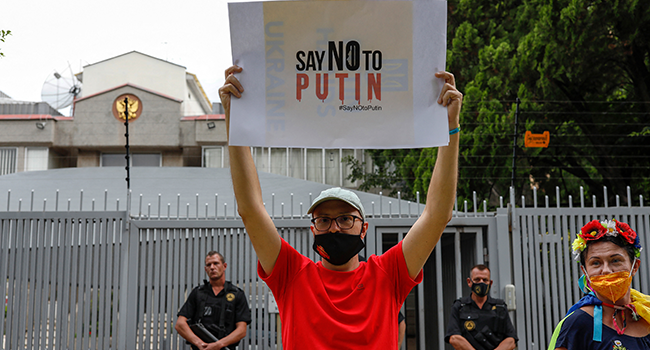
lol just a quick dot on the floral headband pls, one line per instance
(595, 230)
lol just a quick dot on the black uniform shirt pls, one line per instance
(211, 312)
(465, 315)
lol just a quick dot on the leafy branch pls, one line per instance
(3, 35)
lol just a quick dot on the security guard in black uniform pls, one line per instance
(479, 321)
(216, 306)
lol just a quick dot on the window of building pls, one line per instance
(333, 167)
(36, 158)
(346, 169)
(8, 160)
(137, 159)
(260, 157)
(279, 162)
(143, 159)
(213, 157)
(296, 163)
(113, 159)
(313, 164)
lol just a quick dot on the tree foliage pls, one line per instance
(3, 34)
(582, 71)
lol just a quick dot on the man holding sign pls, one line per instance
(340, 303)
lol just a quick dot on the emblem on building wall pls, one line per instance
(133, 106)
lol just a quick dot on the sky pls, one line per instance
(52, 35)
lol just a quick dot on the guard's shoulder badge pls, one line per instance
(230, 296)
(494, 307)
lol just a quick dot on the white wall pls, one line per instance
(138, 69)
(191, 105)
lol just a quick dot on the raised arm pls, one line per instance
(246, 184)
(425, 233)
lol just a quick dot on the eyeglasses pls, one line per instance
(344, 222)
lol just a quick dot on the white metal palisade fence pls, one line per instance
(410, 209)
(198, 209)
(102, 279)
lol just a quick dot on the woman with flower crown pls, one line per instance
(611, 315)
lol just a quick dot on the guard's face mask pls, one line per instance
(337, 248)
(480, 289)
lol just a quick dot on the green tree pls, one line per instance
(593, 58)
(582, 71)
(3, 34)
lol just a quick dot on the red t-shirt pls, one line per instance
(325, 309)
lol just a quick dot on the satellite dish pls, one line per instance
(61, 88)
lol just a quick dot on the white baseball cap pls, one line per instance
(341, 194)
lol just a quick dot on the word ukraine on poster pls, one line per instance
(339, 74)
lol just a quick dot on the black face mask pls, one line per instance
(337, 248)
(480, 289)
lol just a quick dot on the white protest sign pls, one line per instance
(339, 74)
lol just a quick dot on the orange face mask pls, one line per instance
(614, 285)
